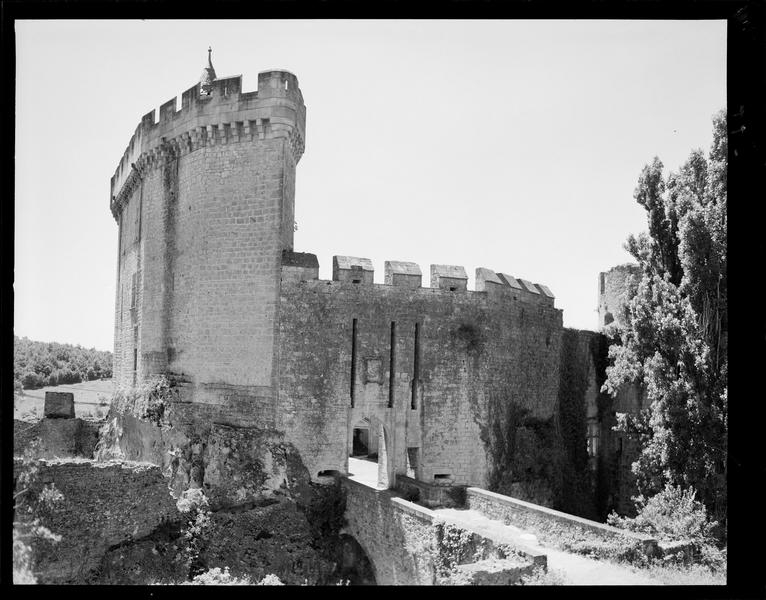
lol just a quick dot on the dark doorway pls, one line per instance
(361, 442)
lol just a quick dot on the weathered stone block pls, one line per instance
(59, 405)
(352, 269)
(492, 571)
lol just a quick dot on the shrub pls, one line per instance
(674, 514)
(195, 504)
(147, 400)
(32, 380)
(216, 576)
(32, 502)
(453, 547)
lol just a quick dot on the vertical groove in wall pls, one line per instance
(170, 197)
(117, 359)
(416, 368)
(353, 360)
(392, 366)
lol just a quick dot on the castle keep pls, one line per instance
(211, 292)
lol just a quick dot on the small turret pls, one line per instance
(208, 75)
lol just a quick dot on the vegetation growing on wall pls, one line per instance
(523, 451)
(574, 492)
(546, 460)
(148, 400)
(469, 336)
(454, 546)
(38, 364)
(33, 500)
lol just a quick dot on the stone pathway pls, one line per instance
(363, 471)
(573, 568)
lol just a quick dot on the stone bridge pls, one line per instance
(485, 540)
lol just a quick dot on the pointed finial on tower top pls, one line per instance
(208, 74)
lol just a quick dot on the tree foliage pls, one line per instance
(37, 364)
(674, 340)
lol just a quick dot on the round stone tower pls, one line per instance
(204, 200)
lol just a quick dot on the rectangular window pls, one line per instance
(135, 359)
(416, 369)
(392, 366)
(353, 360)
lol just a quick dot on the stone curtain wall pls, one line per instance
(471, 346)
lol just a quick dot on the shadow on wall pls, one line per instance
(355, 565)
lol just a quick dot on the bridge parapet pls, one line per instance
(534, 517)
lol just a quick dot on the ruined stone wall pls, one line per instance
(612, 297)
(473, 346)
(104, 505)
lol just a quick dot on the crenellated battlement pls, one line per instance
(224, 116)
(446, 279)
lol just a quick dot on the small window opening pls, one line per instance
(412, 462)
(135, 359)
(392, 366)
(286, 84)
(452, 289)
(442, 476)
(328, 473)
(356, 281)
(353, 360)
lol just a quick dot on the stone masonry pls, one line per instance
(211, 292)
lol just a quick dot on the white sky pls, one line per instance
(512, 145)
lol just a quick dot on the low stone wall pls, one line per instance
(55, 438)
(408, 544)
(533, 517)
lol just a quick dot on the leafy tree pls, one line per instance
(674, 341)
(36, 364)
